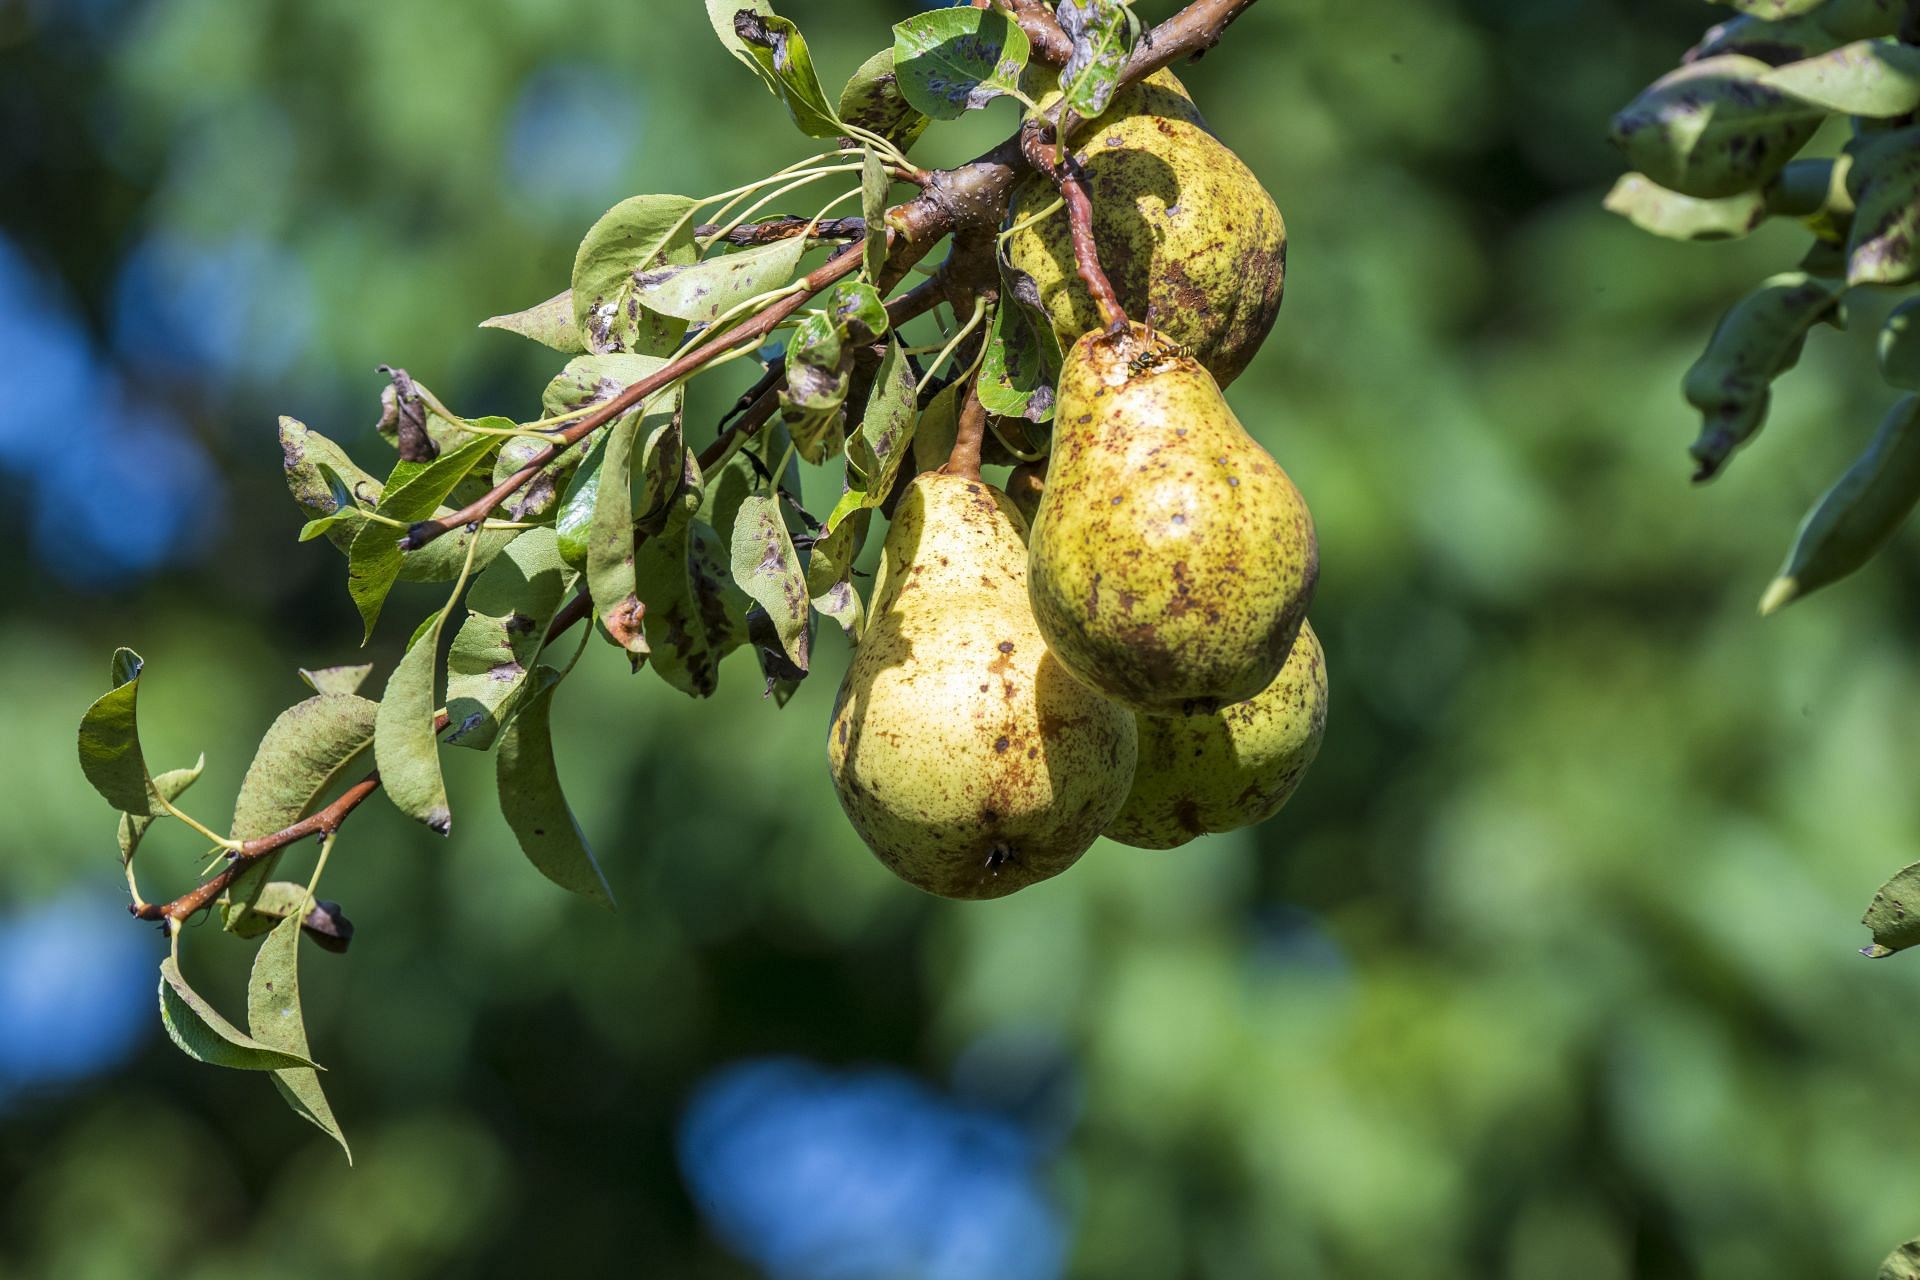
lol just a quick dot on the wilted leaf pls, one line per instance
(275, 1019)
(323, 479)
(110, 739)
(768, 569)
(781, 52)
(550, 323)
(532, 802)
(695, 613)
(950, 61)
(876, 450)
(1102, 38)
(202, 1034)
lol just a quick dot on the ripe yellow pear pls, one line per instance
(966, 757)
(1193, 243)
(1171, 560)
(1231, 769)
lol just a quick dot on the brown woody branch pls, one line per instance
(1057, 165)
(1050, 43)
(748, 234)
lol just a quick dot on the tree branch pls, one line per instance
(1056, 164)
(1050, 43)
(748, 234)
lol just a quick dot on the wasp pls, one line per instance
(1162, 351)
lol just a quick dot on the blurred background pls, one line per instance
(1549, 970)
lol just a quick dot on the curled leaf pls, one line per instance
(203, 1035)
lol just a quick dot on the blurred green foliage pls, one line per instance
(1549, 968)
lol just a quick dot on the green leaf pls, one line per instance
(1758, 339)
(574, 518)
(1884, 247)
(874, 186)
(550, 323)
(721, 14)
(310, 748)
(872, 101)
(406, 749)
(780, 51)
(830, 571)
(610, 552)
(876, 450)
(1899, 346)
(1712, 129)
(1102, 40)
(532, 802)
(934, 434)
(1903, 1263)
(203, 1035)
(768, 569)
(1872, 78)
(1021, 363)
(590, 380)
(133, 827)
(857, 311)
(695, 612)
(818, 377)
(275, 1019)
(276, 900)
(346, 679)
(637, 235)
(1773, 10)
(1894, 914)
(110, 739)
(1652, 207)
(413, 493)
(508, 611)
(317, 469)
(701, 292)
(950, 61)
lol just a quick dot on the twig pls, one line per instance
(1056, 164)
(785, 228)
(1050, 43)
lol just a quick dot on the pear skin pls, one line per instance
(1171, 561)
(1193, 243)
(966, 757)
(1231, 769)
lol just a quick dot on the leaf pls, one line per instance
(721, 14)
(1021, 364)
(508, 612)
(276, 900)
(1871, 78)
(413, 493)
(1773, 10)
(1884, 247)
(275, 1019)
(637, 235)
(695, 613)
(610, 552)
(1758, 339)
(532, 802)
(406, 749)
(1652, 207)
(1712, 129)
(1894, 914)
(818, 376)
(874, 186)
(857, 312)
(934, 434)
(885, 437)
(950, 61)
(768, 569)
(308, 750)
(110, 739)
(133, 827)
(872, 101)
(538, 496)
(337, 679)
(830, 572)
(701, 292)
(1102, 41)
(550, 323)
(590, 380)
(780, 51)
(1903, 1263)
(1899, 346)
(320, 475)
(203, 1035)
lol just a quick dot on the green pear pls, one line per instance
(1193, 243)
(966, 757)
(1231, 769)
(1171, 560)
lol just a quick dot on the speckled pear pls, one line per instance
(1193, 243)
(1171, 560)
(1231, 769)
(965, 756)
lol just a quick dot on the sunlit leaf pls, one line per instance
(1712, 129)
(550, 323)
(532, 802)
(508, 612)
(950, 61)
(784, 60)
(110, 739)
(872, 101)
(1894, 914)
(768, 569)
(830, 572)
(874, 186)
(344, 679)
(1102, 39)
(413, 493)
(1903, 1263)
(316, 470)
(1872, 78)
(701, 292)
(405, 746)
(1885, 245)
(202, 1034)
(275, 1020)
(1652, 207)
(1021, 363)
(637, 235)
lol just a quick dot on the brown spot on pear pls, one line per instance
(1231, 769)
(1191, 240)
(966, 757)
(1171, 559)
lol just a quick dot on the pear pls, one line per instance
(1193, 243)
(1171, 560)
(1231, 769)
(965, 756)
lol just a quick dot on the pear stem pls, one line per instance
(964, 459)
(1058, 165)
